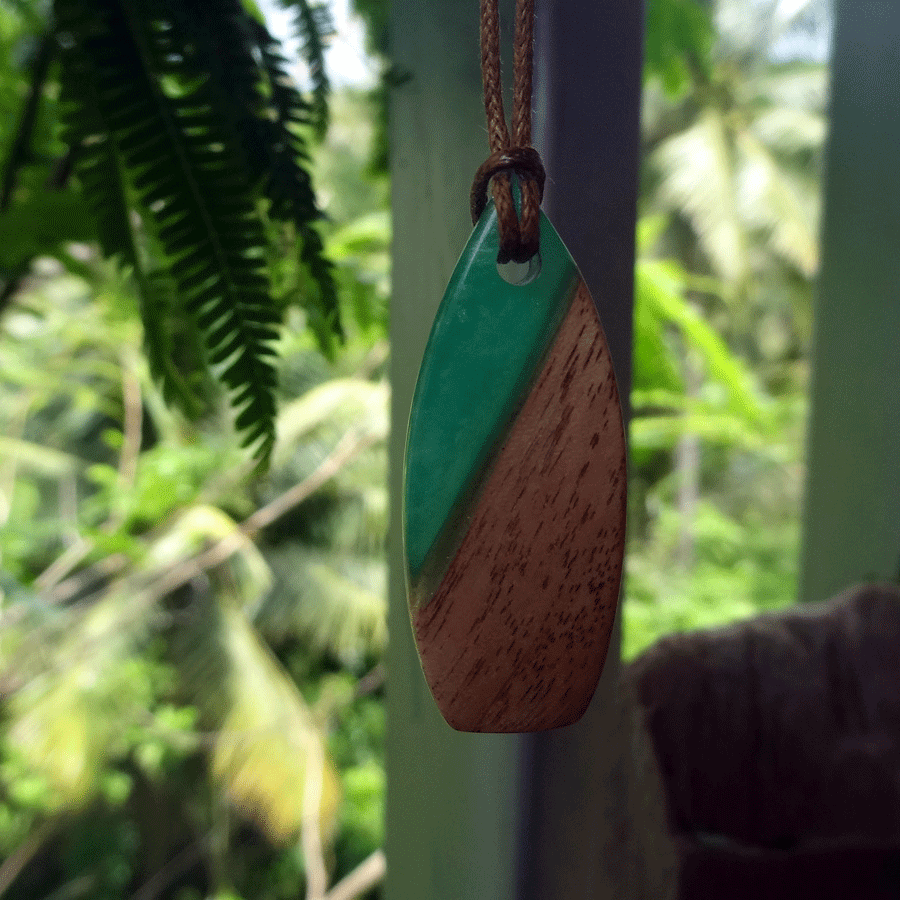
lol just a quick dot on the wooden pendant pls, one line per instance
(514, 503)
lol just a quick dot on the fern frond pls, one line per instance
(287, 183)
(174, 349)
(185, 171)
(101, 170)
(313, 24)
(96, 160)
(246, 81)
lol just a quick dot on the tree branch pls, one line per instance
(23, 854)
(176, 866)
(310, 833)
(364, 877)
(349, 446)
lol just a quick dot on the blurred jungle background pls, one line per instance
(193, 499)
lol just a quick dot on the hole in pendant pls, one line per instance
(520, 273)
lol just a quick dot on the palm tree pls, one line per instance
(734, 162)
(159, 640)
(732, 166)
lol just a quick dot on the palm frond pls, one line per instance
(712, 426)
(332, 407)
(84, 686)
(697, 180)
(662, 288)
(198, 527)
(799, 86)
(334, 601)
(37, 458)
(779, 203)
(267, 748)
(791, 131)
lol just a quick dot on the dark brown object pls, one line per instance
(778, 745)
(519, 237)
(523, 161)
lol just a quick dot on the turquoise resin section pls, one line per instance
(487, 345)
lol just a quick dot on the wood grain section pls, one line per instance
(516, 634)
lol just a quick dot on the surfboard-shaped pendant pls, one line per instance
(515, 492)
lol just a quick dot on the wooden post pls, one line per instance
(452, 798)
(852, 512)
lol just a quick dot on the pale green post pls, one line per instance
(852, 512)
(452, 798)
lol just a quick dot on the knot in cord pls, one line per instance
(519, 238)
(519, 232)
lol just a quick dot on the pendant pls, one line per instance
(515, 493)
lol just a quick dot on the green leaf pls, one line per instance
(38, 458)
(339, 403)
(42, 223)
(655, 363)
(678, 41)
(72, 715)
(268, 754)
(185, 170)
(697, 169)
(334, 600)
(664, 432)
(780, 204)
(312, 21)
(662, 286)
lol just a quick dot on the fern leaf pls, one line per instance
(288, 186)
(314, 26)
(262, 107)
(173, 347)
(97, 163)
(100, 167)
(184, 169)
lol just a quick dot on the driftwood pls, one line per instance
(778, 746)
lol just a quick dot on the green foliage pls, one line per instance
(41, 223)
(727, 250)
(168, 714)
(170, 711)
(745, 563)
(314, 25)
(679, 38)
(190, 144)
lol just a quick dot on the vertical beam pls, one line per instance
(580, 840)
(568, 813)
(852, 510)
(452, 798)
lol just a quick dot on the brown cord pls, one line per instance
(519, 237)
